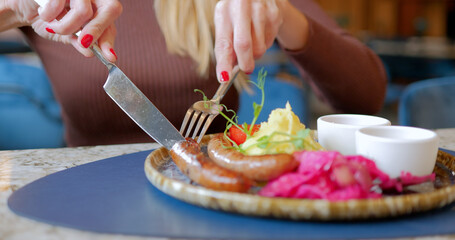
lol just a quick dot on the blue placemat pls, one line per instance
(114, 196)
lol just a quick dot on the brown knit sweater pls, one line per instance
(338, 67)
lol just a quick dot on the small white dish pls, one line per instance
(337, 131)
(399, 148)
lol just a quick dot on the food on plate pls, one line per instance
(279, 131)
(262, 152)
(258, 167)
(191, 161)
(282, 156)
(238, 135)
(332, 176)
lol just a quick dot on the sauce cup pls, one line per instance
(399, 148)
(337, 131)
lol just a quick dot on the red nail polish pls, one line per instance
(113, 52)
(224, 76)
(87, 40)
(248, 73)
(49, 30)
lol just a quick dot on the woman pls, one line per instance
(169, 48)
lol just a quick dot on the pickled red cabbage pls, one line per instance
(330, 175)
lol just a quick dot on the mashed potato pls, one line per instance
(281, 120)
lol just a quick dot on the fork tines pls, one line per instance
(203, 112)
(202, 118)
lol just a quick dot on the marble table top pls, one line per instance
(20, 167)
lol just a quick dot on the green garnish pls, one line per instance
(257, 108)
(204, 98)
(232, 121)
(297, 140)
(300, 140)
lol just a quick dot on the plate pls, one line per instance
(164, 175)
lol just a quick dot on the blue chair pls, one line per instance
(394, 90)
(29, 115)
(428, 104)
(278, 89)
(277, 93)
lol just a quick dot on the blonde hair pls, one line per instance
(188, 28)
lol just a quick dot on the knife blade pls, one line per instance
(139, 108)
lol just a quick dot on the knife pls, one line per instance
(134, 103)
(139, 108)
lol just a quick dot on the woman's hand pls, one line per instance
(58, 20)
(245, 29)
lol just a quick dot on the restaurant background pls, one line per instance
(414, 38)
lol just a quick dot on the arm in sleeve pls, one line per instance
(341, 70)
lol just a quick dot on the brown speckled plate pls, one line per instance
(164, 175)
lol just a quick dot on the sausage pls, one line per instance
(259, 168)
(192, 162)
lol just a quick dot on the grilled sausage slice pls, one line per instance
(192, 162)
(259, 168)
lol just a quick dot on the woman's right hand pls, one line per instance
(58, 20)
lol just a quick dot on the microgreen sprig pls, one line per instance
(233, 121)
(266, 142)
(299, 140)
(204, 98)
(257, 108)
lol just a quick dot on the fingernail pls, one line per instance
(87, 40)
(113, 52)
(224, 76)
(248, 73)
(49, 30)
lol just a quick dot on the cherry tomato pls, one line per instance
(238, 136)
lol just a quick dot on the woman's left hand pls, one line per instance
(245, 29)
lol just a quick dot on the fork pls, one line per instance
(203, 112)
